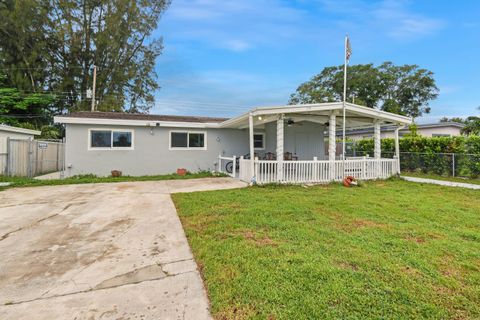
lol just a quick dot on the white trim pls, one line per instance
(112, 148)
(140, 123)
(188, 132)
(318, 107)
(243, 119)
(4, 127)
(263, 140)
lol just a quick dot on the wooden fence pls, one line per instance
(30, 158)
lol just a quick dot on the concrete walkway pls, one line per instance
(50, 176)
(99, 251)
(443, 183)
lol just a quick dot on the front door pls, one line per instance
(301, 146)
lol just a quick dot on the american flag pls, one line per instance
(348, 49)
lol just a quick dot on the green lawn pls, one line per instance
(388, 250)
(438, 177)
(29, 182)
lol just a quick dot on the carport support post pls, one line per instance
(397, 147)
(332, 144)
(252, 149)
(280, 149)
(378, 147)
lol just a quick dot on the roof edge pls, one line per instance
(4, 127)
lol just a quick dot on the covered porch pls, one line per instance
(304, 139)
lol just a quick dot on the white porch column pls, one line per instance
(378, 147)
(332, 144)
(397, 147)
(252, 148)
(280, 150)
(377, 141)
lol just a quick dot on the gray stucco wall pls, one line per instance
(151, 154)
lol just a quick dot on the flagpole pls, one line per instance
(344, 98)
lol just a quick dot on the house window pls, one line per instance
(187, 140)
(111, 139)
(259, 140)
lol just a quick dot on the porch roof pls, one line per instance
(356, 116)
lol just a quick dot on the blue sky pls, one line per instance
(223, 57)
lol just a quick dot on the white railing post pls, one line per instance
(315, 170)
(256, 170)
(234, 170)
(219, 168)
(241, 169)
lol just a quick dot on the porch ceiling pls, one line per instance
(356, 116)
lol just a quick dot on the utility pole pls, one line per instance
(94, 84)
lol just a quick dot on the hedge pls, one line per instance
(422, 153)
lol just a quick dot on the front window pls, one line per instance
(111, 139)
(101, 139)
(259, 141)
(179, 140)
(122, 139)
(187, 140)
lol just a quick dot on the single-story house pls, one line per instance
(288, 143)
(440, 129)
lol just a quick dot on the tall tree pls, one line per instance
(17, 108)
(405, 90)
(472, 125)
(453, 119)
(52, 45)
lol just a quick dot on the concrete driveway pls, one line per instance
(99, 251)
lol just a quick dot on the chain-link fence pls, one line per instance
(445, 164)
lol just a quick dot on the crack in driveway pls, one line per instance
(111, 286)
(8, 234)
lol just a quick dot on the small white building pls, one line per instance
(440, 129)
(17, 133)
(9, 132)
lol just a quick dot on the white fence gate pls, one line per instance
(30, 158)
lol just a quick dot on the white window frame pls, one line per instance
(111, 148)
(188, 140)
(263, 140)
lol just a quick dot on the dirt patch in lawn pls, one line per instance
(239, 312)
(357, 224)
(258, 239)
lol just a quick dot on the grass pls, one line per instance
(439, 177)
(30, 182)
(388, 250)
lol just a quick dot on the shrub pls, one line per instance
(431, 154)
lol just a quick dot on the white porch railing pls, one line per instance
(227, 165)
(318, 171)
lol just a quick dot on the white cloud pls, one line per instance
(403, 24)
(393, 18)
(231, 24)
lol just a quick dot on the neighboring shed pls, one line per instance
(12, 133)
(17, 133)
(441, 129)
